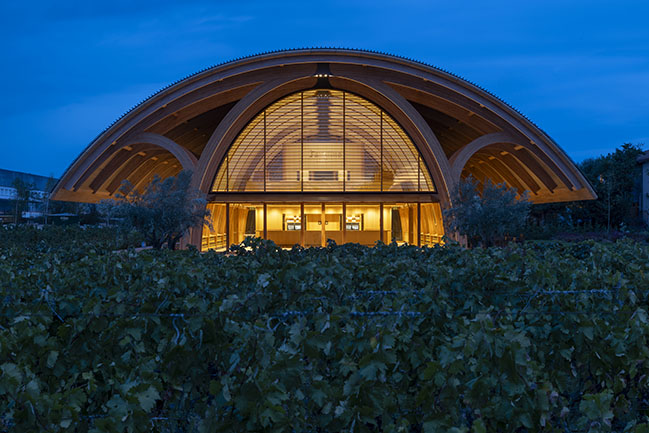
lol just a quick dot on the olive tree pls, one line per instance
(163, 212)
(489, 216)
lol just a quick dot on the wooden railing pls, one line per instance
(430, 239)
(213, 241)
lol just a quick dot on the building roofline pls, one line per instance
(297, 51)
(310, 55)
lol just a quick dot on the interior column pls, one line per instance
(323, 233)
(381, 222)
(227, 226)
(344, 223)
(302, 226)
(265, 222)
(418, 224)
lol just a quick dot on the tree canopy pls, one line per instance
(163, 212)
(616, 180)
(486, 214)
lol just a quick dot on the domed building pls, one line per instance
(306, 145)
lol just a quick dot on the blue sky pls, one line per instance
(579, 69)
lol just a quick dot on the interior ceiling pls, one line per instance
(193, 134)
(518, 168)
(456, 126)
(453, 134)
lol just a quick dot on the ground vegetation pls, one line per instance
(535, 336)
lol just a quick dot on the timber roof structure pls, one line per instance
(458, 128)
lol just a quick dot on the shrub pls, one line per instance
(488, 217)
(163, 212)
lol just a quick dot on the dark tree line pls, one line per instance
(616, 179)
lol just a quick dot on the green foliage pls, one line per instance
(163, 212)
(71, 239)
(615, 178)
(486, 215)
(532, 337)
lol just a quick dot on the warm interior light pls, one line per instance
(322, 140)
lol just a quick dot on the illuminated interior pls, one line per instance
(321, 149)
(322, 140)
(313, 224)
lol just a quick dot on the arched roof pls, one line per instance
(459, 128)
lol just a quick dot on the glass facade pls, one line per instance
(313, 224)
(284, 225)
(323, 140)
(214, 237)
(400, 223)
(245, 219)
(432, 229)
(341, 163)
(364, 223)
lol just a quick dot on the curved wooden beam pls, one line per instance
(505, 172)
(122, 159)
(459, 159)
(234, 79)
(187, 159)
(532, 157)
(528, 158)
(236, 119)
(234, 76)
(380, 94)
(489, 172)
(164, 168)
(130, 167)
(121, 152)
(521, 172)
(515, 168)
(142, 172)
(423, 137)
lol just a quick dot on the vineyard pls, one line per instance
(543, 336)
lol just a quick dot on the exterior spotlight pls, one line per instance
(322, 71)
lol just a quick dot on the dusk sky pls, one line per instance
(578, 69)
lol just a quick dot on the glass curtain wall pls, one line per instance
(312, 224)
(432, 229)
(214, 237)
(400, 223)
(363, 223)
(323, 140)
(284, 224)
(246, 219)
